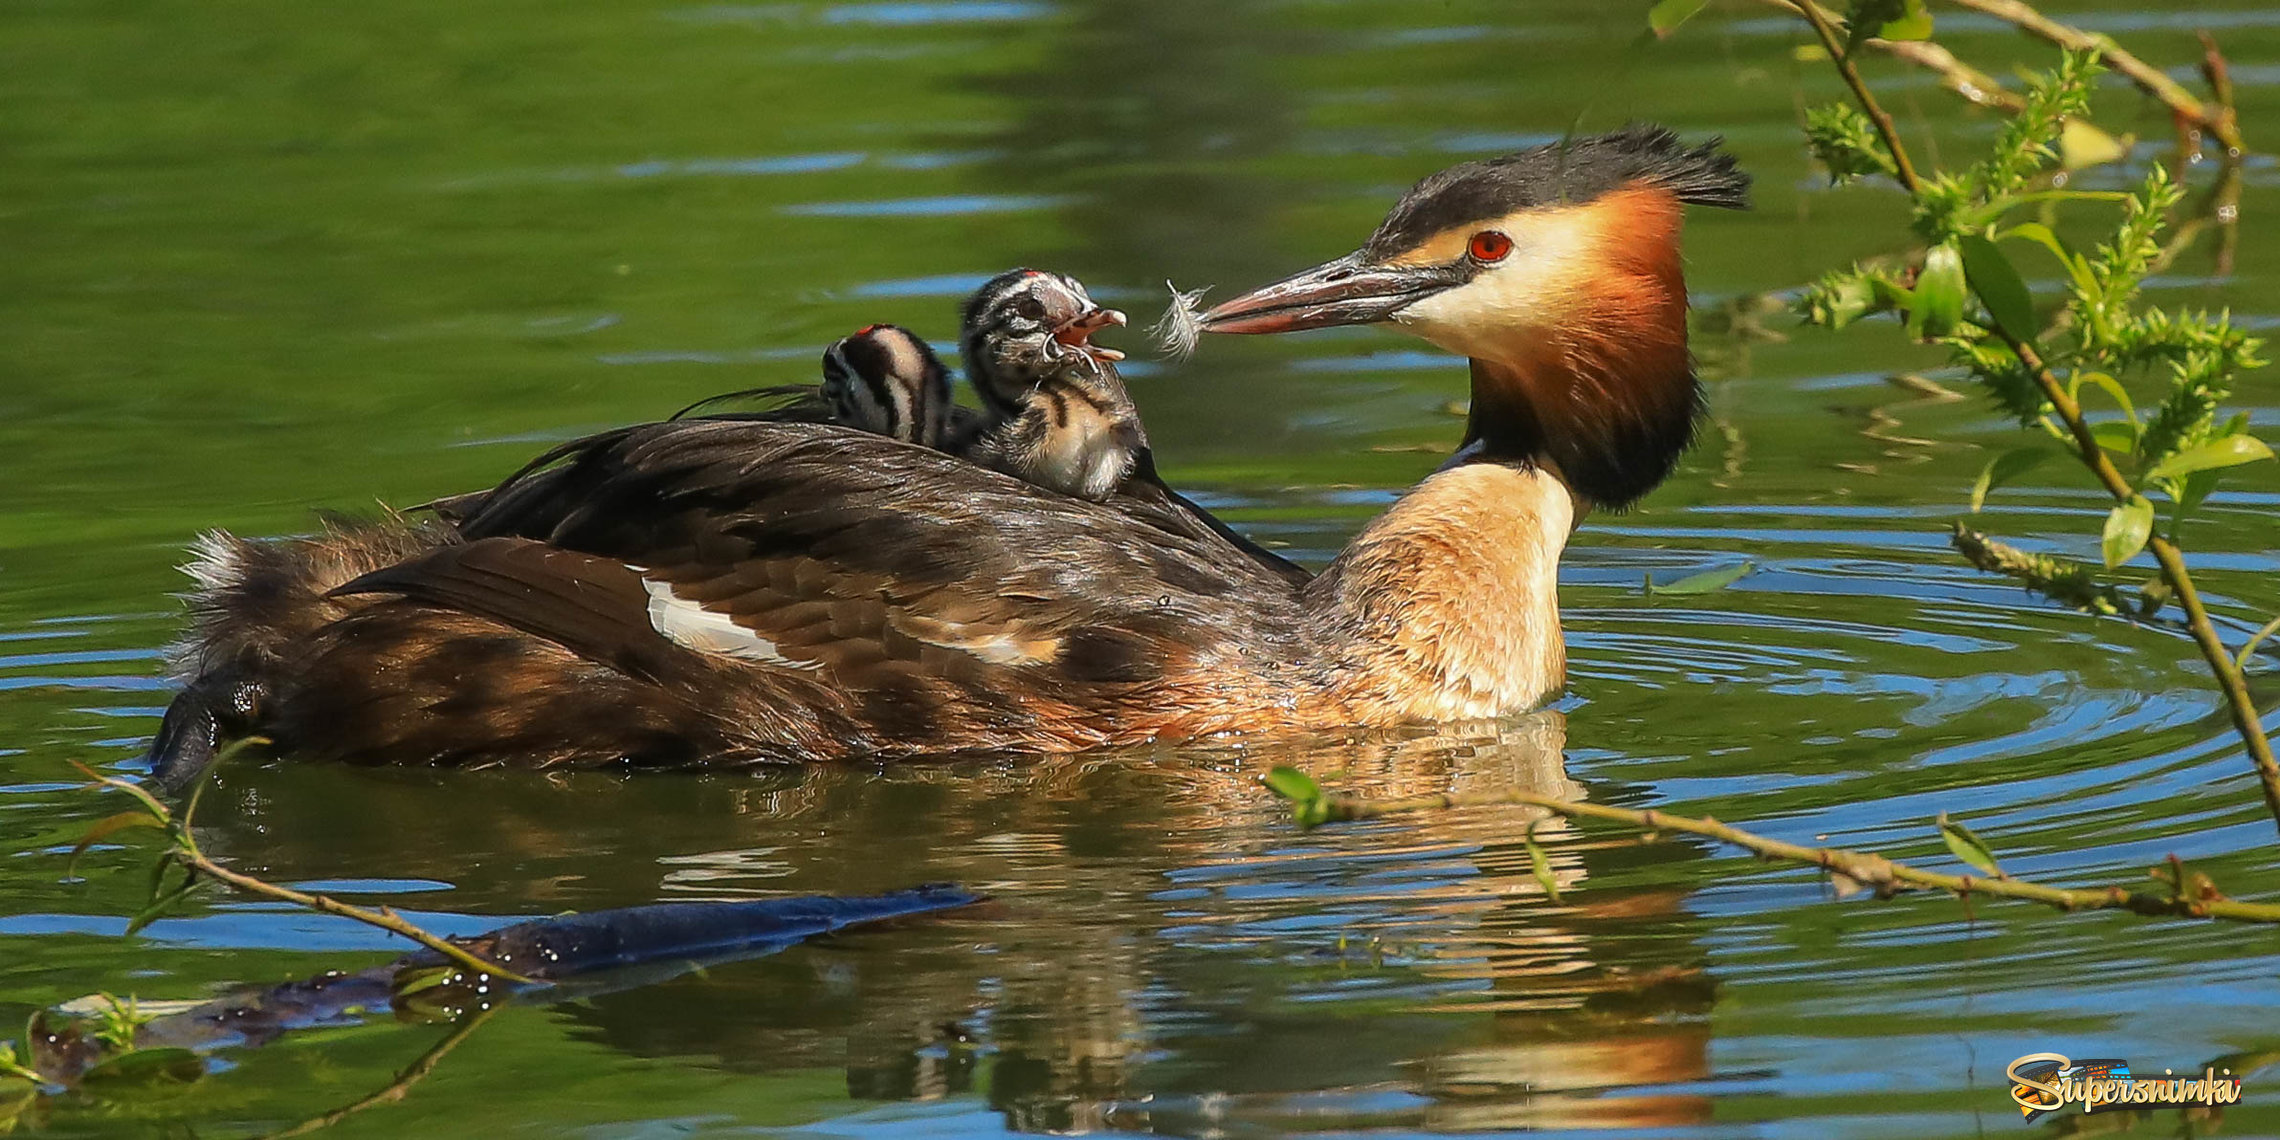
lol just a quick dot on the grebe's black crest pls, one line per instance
(1570, 171)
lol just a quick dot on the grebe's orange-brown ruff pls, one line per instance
(718, 591)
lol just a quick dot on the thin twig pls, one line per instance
(1906, 171)
(2217, 120)
(1973, 84)
(2216, 71)
(1869, 870)
(2248, 648)
(384, 918)
(185, 850)
(413, 1074)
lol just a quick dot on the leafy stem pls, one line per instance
(2229, 671)
(2177, 446)
(1904, 170)
(183, 851)
(2189, 895)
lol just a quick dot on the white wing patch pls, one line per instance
(692, 626)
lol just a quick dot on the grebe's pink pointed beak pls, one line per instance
(1348, 291)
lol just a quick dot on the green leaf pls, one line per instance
(1938, 304)
(1968, 847)
(2004, 468)
(160, 905)
(102, 781)
(1541, 865)
(1886, 19)
(2118, 436)
(1309, 807)
(1999, 287)
(2127, 528)
(2121, 395)
(158, 876)
(2230, 451)
(1915, 23)
(1708, 581)
(1292, 784)
(2195, 489)
(1665, 17)
(413, 981)
(2077, 270)
(105, 828)
(2043, 236)
(2080, 145)
(169, 1064)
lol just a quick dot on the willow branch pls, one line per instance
(2218, 120)
(1905, 170)
(2245, 718)
(384, 918)
(2248, 649)
(397, 1089)
(185, 850)
(1876, 871)
(1979, 87)
(1974, 85)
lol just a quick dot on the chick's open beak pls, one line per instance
(1078, 333)
(1348, 291)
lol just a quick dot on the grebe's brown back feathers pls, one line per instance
(829, 575)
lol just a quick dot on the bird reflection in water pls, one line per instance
(1164, 951)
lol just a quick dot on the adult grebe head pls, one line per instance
(1556, 270)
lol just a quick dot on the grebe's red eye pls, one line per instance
(1489, 245)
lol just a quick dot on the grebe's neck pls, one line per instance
(1449, 602)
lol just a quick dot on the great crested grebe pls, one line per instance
(732, 591)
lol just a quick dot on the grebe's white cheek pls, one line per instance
(1501, 308)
